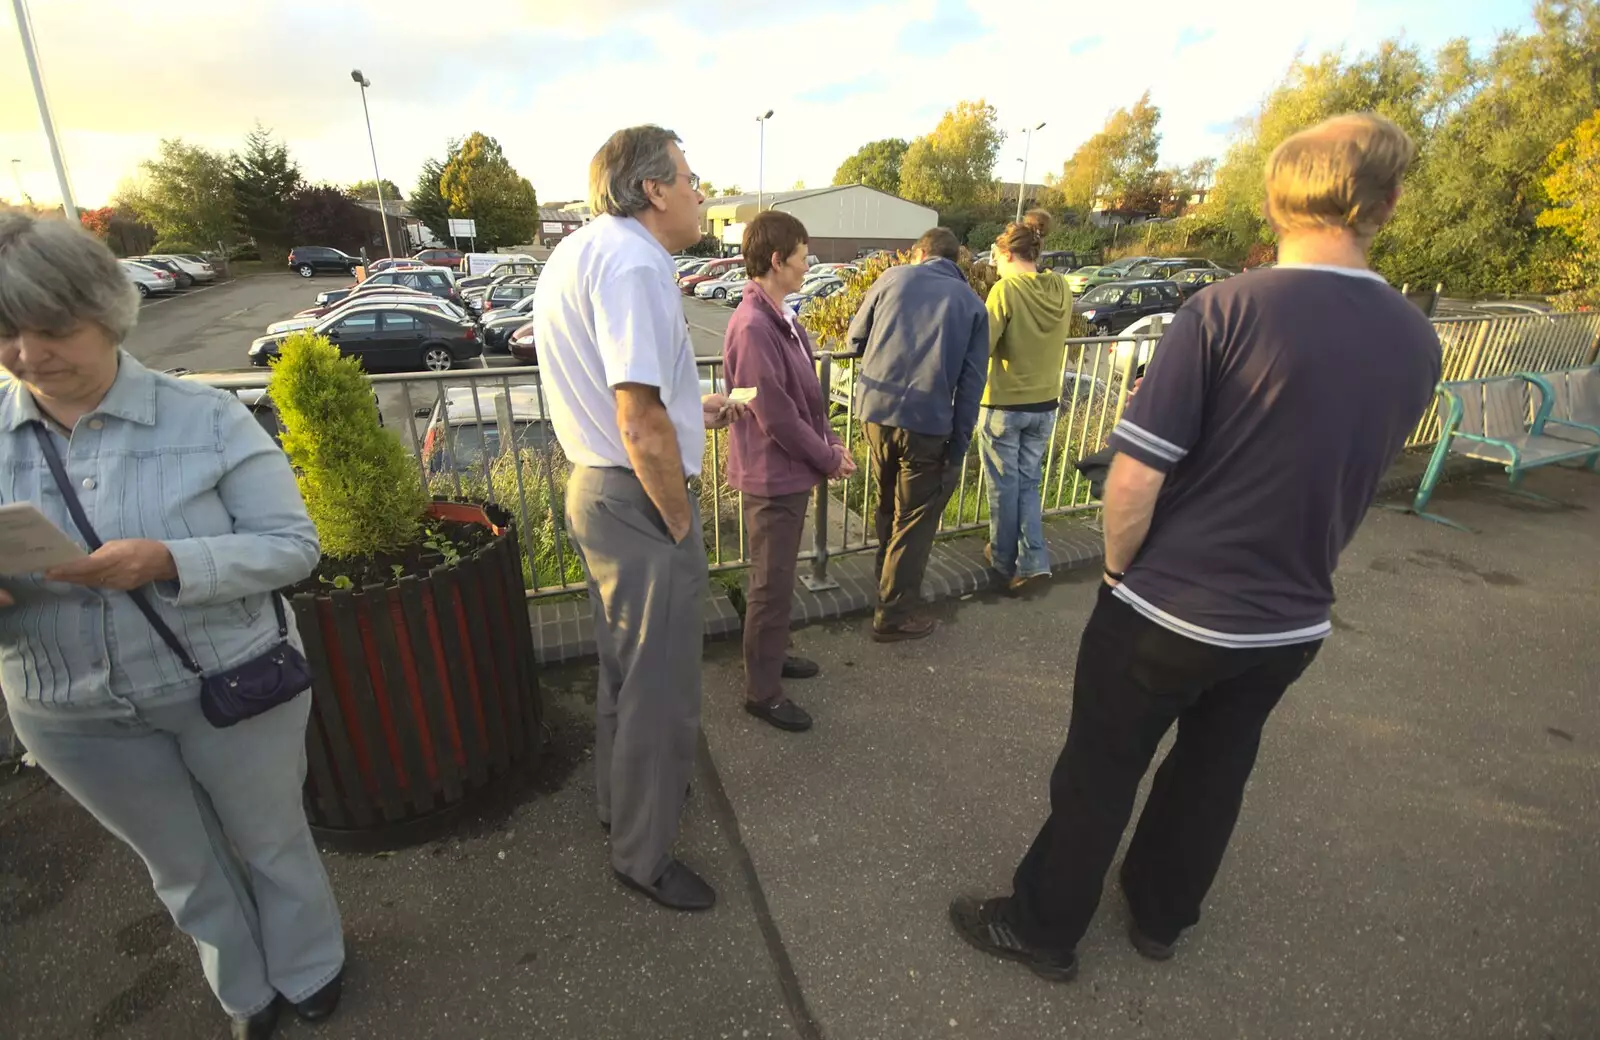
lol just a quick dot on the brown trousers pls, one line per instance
(774, 527)
(914, 483)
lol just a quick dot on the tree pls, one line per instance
(326, 215)
(799, 185)
(1573, 188)
(1117, 163)
(951, 168)
(96, 221)
(427, 202)
(185, 192)
(368, 189)
(982, 235)
(265, 180)
(731, 190)
(479, 184)
(708, 189)
(875, 164)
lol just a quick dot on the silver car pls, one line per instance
(148, 279)
(195, 267)
(717, 288)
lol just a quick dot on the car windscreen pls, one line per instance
(1102, 294)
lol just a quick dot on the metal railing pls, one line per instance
(481, 434)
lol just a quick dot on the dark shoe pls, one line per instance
(785, 714)
(982, 924)
(320, 1004)
(800, 668)
(1154, 949)
(678, 888)
(258, 1026)
(916, 628)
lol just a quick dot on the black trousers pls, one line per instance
(1134, 679)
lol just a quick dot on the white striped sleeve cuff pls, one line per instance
(1140, 438)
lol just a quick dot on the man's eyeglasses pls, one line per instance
(694, 181)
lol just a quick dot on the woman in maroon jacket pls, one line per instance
(777, 460)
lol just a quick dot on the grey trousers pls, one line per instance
(217, 817)
(648, 595)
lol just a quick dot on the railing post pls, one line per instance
(1594, 350)
(1475, 352)
(818, 580)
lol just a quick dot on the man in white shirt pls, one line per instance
(624, 399)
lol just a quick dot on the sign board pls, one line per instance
(733, 235)
(553, 227)
(463, 228)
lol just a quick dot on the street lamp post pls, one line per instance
(761, 160)
(377, 177)
(1022, 187)
(25, 30)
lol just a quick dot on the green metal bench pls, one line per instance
(1508, 420)
(1575, 403)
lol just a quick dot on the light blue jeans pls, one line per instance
(217, 818)
(1012, 445)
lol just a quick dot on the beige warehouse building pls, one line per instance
(843, 221)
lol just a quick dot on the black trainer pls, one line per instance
(800, 668)
(322, 1003)
(258, 1026)
(982, 924)
(786, 715)
(678, 888)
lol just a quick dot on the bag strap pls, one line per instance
(52, 457)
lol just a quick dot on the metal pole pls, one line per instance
(25, 30)
(1027, 143)
(761, 160)
(818, 580)
(376, 176)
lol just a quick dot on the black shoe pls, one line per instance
(785, 714)
(678, 888)
(915, 628)
(258, 1026)
(1148, 946)
(800, 668)
(320, 1004)
(982, 924)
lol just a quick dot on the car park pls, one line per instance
(500, 323)
(464, 426)
(450, 258)
(389, 336)
(146, 279)
(308, 261)
(506, 294)
(447, 308)
(477, 300)
(197, 268)
(1166, 267)
(477, 281)
(428, 279)
(1194, 279)
(395, 263)
(327, 300)
(1086, 278)
(179, 276)
(484, 263)
(1122, 265)
(717, 288)
(1112, 307)
(816, 289)
(520, 343)
(709, 271)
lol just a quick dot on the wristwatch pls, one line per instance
(1115, 575)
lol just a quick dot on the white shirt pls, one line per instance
(608, 311)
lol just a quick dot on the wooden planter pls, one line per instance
(425, 693)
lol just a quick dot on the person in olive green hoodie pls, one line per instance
(1029, 314)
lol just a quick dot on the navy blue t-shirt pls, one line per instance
(1274, 403)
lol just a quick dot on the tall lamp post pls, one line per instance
(25, 30)
(1022, 187)
(377, 177)
(761, 160)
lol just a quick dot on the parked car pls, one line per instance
(148, 279)
(498, 324)
(390, 336)
(1122, 265)
(307, 261)
(682, 263)
(1086, 278)
(306, 320)
(179, 276)
(196, 267)
(450, 258)
(520, 343)
(1194, 279)
(717, 288)
(709, 271)
(464, 426)
(394, 263)
(1059, 260)
(1112, 307)
(504, 270)
(326, 300)
(1169, 266)
(483, 263)
(506, 294)
(814, 289)
(428, 279)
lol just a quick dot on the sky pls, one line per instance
(552, 79)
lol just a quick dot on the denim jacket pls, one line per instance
(170, 460)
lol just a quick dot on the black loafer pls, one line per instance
(982, 924)
(258, 1026)
(320, 1004)
(678, 888)
(786, 715)
(800, 668)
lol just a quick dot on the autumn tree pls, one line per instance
(1118, 162)
(951, 168)
(1573, 188)
(186, 193)
(875, 164)
(730, 190)
(368, 189)
(480, 184)
(265, 180)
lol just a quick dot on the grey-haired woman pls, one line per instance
(201, 522)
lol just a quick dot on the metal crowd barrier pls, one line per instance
(481, 433)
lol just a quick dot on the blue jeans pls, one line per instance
(1012, 445)
(216, 815)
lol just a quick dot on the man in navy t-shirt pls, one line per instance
(1273, 405)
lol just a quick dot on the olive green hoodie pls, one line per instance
(1029, 315)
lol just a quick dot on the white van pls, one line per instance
(482, 263)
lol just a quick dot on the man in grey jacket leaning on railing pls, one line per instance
(923, 338)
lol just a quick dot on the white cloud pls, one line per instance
(551, 79)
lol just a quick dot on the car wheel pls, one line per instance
(144, 290)
(305, 270)
(717, 294)
(438, 359)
